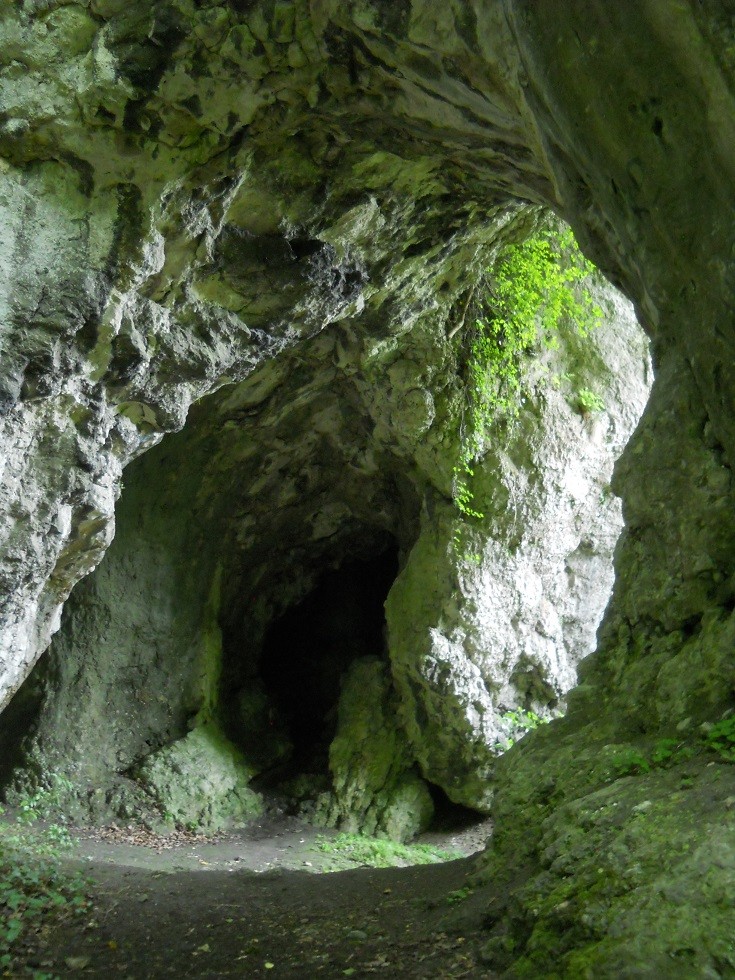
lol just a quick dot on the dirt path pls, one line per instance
(237, 908)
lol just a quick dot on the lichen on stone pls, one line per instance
(200, 782)
(376, 789)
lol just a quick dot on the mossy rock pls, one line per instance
(376, 789)
(636, 879)
(201, 781)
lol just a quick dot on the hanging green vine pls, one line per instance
(532, 289)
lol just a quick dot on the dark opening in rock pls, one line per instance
(307, 650)
(448, 816)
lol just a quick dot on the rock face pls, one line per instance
(212, 605)
(376, 788)
(499, 623)
(195, 198)
(200, 782)
(169, 228)
(618, 881)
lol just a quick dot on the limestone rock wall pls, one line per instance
(626, 852)
(224, 187)
(488, 619)
(376, 786)
(178, 193)
(271, 481)
(328, 454)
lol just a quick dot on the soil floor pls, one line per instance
(259, 903)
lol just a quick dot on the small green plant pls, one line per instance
(630, 762)
(378, 853)
(45, 802)
(563, 378)
(521, 721)
(667, 751)
(458, 895)
(460, 538)
(587, 402)
(530, 291)
(670, 750)
(721, 738)
(33, 888)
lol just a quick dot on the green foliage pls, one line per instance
(521, 722)
(667, 751)
(46, 801)
(721, 738)
(587, 402)
(379, 853)
(459, 535)
(670, 750)
(630, 762)
(459, 895)
(533, 288)
(33, 888)
(463, 496)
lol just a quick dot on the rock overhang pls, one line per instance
(83, 135)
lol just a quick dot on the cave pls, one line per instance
(308, 649)
(245, 254)
(290, 603)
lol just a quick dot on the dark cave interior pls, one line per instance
(307, 650)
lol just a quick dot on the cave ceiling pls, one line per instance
(192, 188)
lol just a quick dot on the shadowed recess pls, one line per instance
(307, 650)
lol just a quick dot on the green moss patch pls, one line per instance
(375, 788)
(201, 782)
(357, 849)
(636, 880)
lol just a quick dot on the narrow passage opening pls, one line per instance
(308, 649)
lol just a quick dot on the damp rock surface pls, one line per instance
(180, 198)
(257, 548)
(374, 787)
(194, 194)
(200, 781)
(235, 260)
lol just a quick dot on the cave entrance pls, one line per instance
(307, 650)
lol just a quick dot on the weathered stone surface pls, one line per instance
(325, 455)
(178, 193)
(138, 658)
(168, 227)
(488, 617)
(663, 669)
(654, 211)
(201, 781)
(375, 787)
(631, 879)
(273, 480)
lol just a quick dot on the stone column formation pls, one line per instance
(192, 191)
